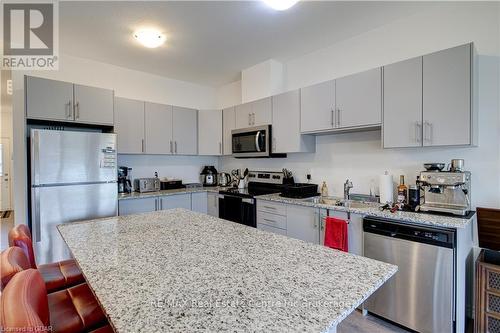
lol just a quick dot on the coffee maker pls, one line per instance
(124, 184)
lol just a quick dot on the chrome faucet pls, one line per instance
(347, 188)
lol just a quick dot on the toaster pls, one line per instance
(147, 185)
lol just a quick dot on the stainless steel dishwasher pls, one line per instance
(421, 295)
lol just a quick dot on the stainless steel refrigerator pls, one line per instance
(73, 178)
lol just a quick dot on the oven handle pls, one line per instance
(245, 200)
(257, 146)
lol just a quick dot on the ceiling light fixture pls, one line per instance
(280, 4)
(150, 38)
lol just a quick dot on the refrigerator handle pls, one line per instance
(36, 215)
(35, 154)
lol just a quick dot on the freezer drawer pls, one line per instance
(62, 204)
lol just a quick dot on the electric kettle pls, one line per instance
(224, 179)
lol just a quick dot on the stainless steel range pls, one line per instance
(238, 205)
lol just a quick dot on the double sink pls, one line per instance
(333, 201)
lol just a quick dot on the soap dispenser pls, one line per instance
(324, 189)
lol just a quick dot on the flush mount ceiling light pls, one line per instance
(150, 38)
(280, 4)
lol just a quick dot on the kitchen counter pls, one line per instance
(372, 209)
(181, 271)
(137, 195)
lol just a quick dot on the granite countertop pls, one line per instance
(373, 210)
(181, 271)
(137, 195)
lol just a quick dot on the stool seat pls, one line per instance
(60, 275)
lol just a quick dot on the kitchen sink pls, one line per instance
(333, 201)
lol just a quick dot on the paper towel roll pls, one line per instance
(386, 188)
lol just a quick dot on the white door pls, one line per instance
(262, 112)
(185, 131)
(176, 201)
(302, 223)
(317, 104)
(359, 99)
(129, 125)
(199, 202)
(158, 128)
(286, 125)
(5, 160)
(49, 99)
(229, 124)
(210, 132)
(93, 105)
(403, 104)
(243, 113)
(447, 97)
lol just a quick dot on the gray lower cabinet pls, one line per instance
(175, 201)
(213, 204)
(137, 206)
(302, 223)
(199, 202)
(354, 229)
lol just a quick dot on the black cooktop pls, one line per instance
(249, 192)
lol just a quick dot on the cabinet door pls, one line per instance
(355, 234)
(359, 99)
(286, 125)
(447, 97)
(49, 99)
(274, 230)
(199, 202)
(136, 206)
(302, 223)
(262, 112)
(93, 105)
(317, 104)
(158, 128)
(243, 115)
(403, 104)
(210, 132)
(228, 124)
(213, 204)
(185, 131)
(176, 201)
(324, 214)
(129, 125)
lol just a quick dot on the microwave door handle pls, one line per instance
(257, 144)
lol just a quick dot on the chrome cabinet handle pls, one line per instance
(253, 119)
(142, 145)
(428, 131)
(269, 207)
(418, 132)
(249, 119)
(175, 145)
(322, 224)
(338, 117)
(171, 148)
(77, 110)
(272, 221)
(68, 112)
(333, 118)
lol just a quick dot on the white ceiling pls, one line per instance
(211, 42)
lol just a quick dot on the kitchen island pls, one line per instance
(182, 271)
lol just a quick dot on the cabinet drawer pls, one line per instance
(272, 220)
(271, 229)
(271, 207)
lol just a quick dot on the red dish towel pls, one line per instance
(336, 234)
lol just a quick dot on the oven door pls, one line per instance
(251, 142)
(237, 209)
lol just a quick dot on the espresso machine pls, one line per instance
(446, 191)
(124, 183)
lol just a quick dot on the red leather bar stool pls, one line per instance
(12, 261)
(25, 305)
(58, 275)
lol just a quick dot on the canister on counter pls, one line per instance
(413, 197)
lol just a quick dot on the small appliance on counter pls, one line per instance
(124, 184)
(446, 191)
(209, 176)
(143, 185)
(170, 184)
(224, 179)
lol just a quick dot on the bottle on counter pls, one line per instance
(324, 189)
(402, 192)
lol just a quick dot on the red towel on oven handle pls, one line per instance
(336, 234)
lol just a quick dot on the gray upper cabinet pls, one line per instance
(228, 124)
(256, 113)
(49, 99)
(243, 115)
(359, 99)
(317, 107)
(93, 105)
(447, 111)
(129, 125)
(158, 129)
(403, 104)
(286, 125)
(65, 101)
(210, 132)
(185, 131)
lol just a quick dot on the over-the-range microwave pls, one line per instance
(253, 142)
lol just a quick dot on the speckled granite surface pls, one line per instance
(373, 210)
(180, 271)
(137, 195)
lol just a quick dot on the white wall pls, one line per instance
(359, 156)
(126, 83)
(262, 80)
(229, 95)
